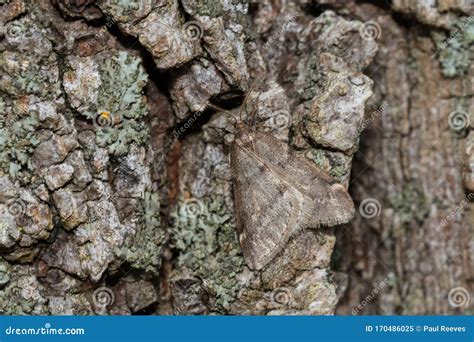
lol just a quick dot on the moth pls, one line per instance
(277, 193)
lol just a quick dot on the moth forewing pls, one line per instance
(277, 193)
(268, 209)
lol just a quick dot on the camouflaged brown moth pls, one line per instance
(277, 193)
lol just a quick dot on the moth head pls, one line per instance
(234, 123)
(239, 126)
(243, 134)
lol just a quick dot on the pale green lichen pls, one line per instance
(123, 79)
(32, 80)
(20, 294)
(335, 163)
(410, 204)
(117, 140)
(4, 277)
(28, 65)
(204, 233)
(210, 8)
(126, 10)
(456, 51)
(145, 251)
(18, 140)
(315, 80)
(29, 69)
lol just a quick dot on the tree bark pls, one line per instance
(415, 255)
(114, 154)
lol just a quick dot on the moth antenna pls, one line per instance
(210, 105)
(244, 103)
(253, 112)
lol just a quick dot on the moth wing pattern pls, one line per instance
(332, 203)
(269, 210)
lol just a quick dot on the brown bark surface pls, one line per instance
(115, 183)
(412, 162)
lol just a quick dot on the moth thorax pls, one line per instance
(244, 134)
